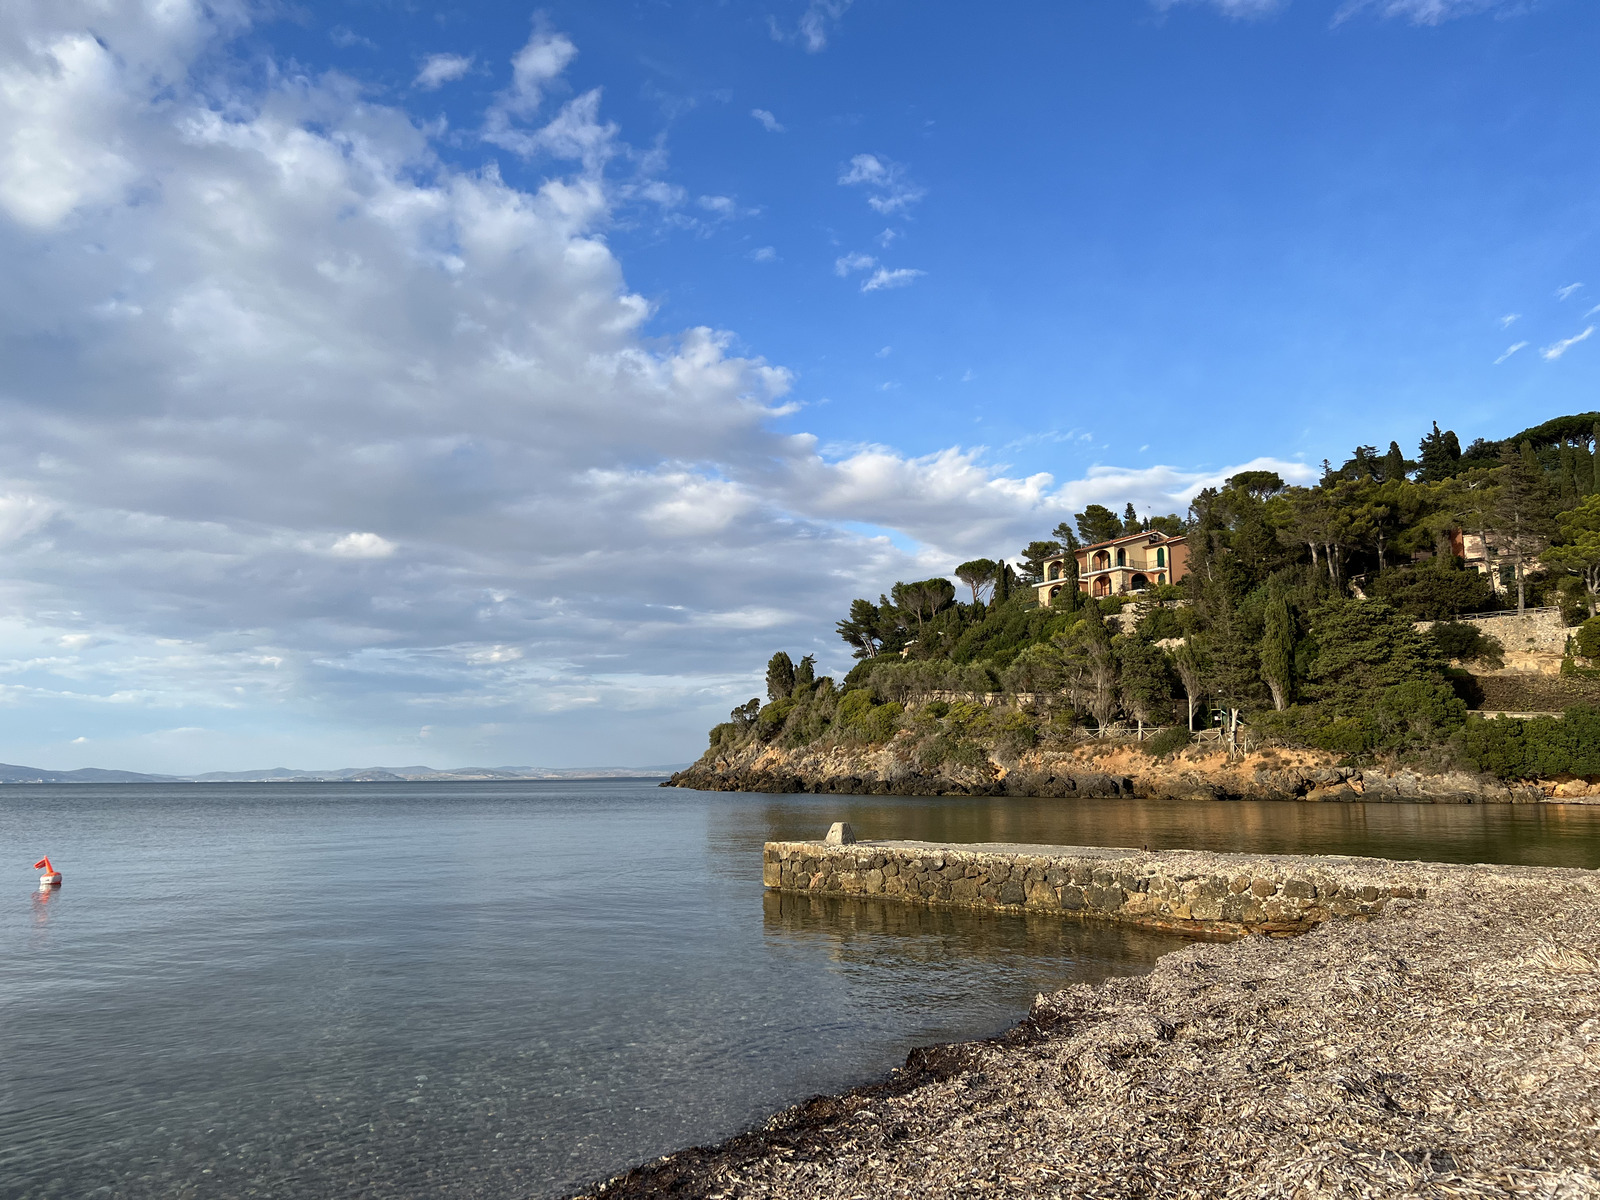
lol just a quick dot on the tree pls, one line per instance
(1145, 688)
(1034, 556)
(1520, 513)
(1259, 484)
(1069, 574)
(1395, 466)
(978, 574)
(1190, 671)
(1002, 584)
(780, 676)
(863, 628)
(1130, 520)
(924, 598)
(1578, 548)
(1438, 455)
(805, 673)
(1097, 523)
(1364, 646)
(1434, 590)
(1101, 658)
(1277, 645)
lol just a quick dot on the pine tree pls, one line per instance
(1145, 687)
(1520, 516)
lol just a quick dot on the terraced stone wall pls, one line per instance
(1194, 892)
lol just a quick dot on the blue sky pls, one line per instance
(503, 384)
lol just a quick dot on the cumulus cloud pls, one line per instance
(281, 323)
(362, 545)
(440, 69)
(1557, 349)
(889, 189)
(767, 120)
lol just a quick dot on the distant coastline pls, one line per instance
(418, 774)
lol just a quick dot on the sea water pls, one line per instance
(510, 989)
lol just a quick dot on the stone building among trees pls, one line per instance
(1118, 567)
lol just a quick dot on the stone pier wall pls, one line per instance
(1195, 892)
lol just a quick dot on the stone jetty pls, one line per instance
(1429, 1030)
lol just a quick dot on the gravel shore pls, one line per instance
(1449, 1047)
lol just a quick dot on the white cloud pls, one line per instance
(768, 121)
(883, 277)
(1510, 350)
(1563, 292)
(846, 264)
(1236, 9)
(1424, 12)
(885, 352)
(1510, 319)
(362, 545)
(1557, 349)
(301, 325)
(440, 69)
(763, 254)
(1592, 311)
(889, 189)
(815, 26)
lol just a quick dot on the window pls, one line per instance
(1122, 557)
(1161, 557)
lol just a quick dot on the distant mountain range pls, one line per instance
(15, 774)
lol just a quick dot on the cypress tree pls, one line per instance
(1568, 488)
(1594, 463)
(1277, 645)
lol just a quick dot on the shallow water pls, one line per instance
(508, 989)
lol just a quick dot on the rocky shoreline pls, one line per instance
(1112, 769)
(1448, 1046)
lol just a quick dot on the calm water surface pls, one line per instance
(509, 989)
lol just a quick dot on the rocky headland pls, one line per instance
(1113, 768)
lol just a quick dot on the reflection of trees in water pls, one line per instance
(870, 930)
(1554, 835)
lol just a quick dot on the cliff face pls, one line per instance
(1114, 769)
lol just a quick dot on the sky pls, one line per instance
(397, 382)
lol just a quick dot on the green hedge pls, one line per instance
(1523, 748)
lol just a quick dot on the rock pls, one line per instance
(840, 834)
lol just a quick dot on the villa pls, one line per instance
(1124, 565)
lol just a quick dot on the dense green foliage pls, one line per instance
(1298, 617)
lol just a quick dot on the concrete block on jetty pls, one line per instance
(1198, 893)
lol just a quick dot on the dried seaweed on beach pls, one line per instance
(1450, 1048)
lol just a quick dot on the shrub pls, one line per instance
(859, 717)
(1168, 741)
(1465, 642)
(1589, 638)
(1518, 748)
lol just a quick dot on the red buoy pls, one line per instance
(51, 877)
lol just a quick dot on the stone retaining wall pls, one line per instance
(1194, 892)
